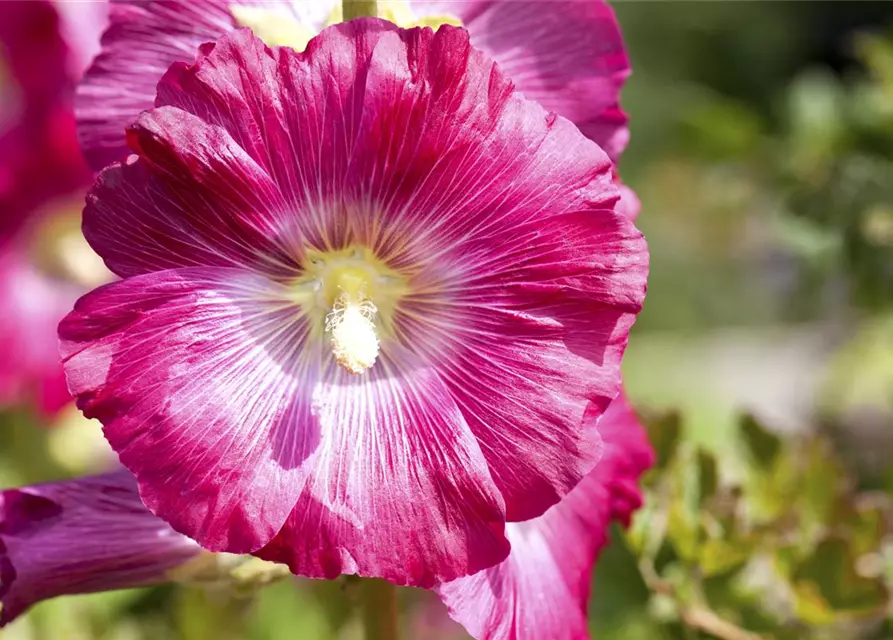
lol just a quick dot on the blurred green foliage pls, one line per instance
(762, 149)
(761, 170)
(776, 542)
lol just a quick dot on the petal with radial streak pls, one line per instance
(567, 55)
(143, 39)
(542, 588)
(400, 488)
(195, 199)
(192, 372)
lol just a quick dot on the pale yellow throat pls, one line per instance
(277, 28)
(349, 294)
(351, 325)
(350, 297)
(273, 27)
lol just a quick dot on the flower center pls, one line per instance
(400, 13)
(351, 296)
(277, 28)
(351, 323)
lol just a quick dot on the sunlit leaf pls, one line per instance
(762, 446)
(664, 432)
(721, 556)
(828, 586)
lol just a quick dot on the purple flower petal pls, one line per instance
(81, 536)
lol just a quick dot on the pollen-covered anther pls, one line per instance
(351, 323)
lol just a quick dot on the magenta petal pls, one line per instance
(564, 325)
(627, 454)
(282, 112)
(188, 371)
(81, 536)
(143, 39)
(218, 189)
(629, 204)
(400, 489)
(542, 588)
(568, 55)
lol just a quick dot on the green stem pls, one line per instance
(359, 9)
(378, 607)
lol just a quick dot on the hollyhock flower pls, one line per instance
(81, 536)
(44, 263)
(542, 589)
(369, 292)
(567, 55)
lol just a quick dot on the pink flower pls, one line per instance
(39, 155)
(629, 205)
(369, 292)
(81, 536)
(542, 589)
(32, 305)
(40, 166)
(567, 55)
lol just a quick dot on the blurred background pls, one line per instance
(762, 151)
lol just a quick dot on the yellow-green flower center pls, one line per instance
(348, 294)
(273, 27)
(277, 28)
(351, 296)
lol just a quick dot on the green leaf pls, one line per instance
(723, 556)
(643, 532)
(683, 530)
(869, 523)
(708, 475)
(762, 446)
(664, 432)
(684, 517)
(618, 608)
(823, 483)
(827, 586)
